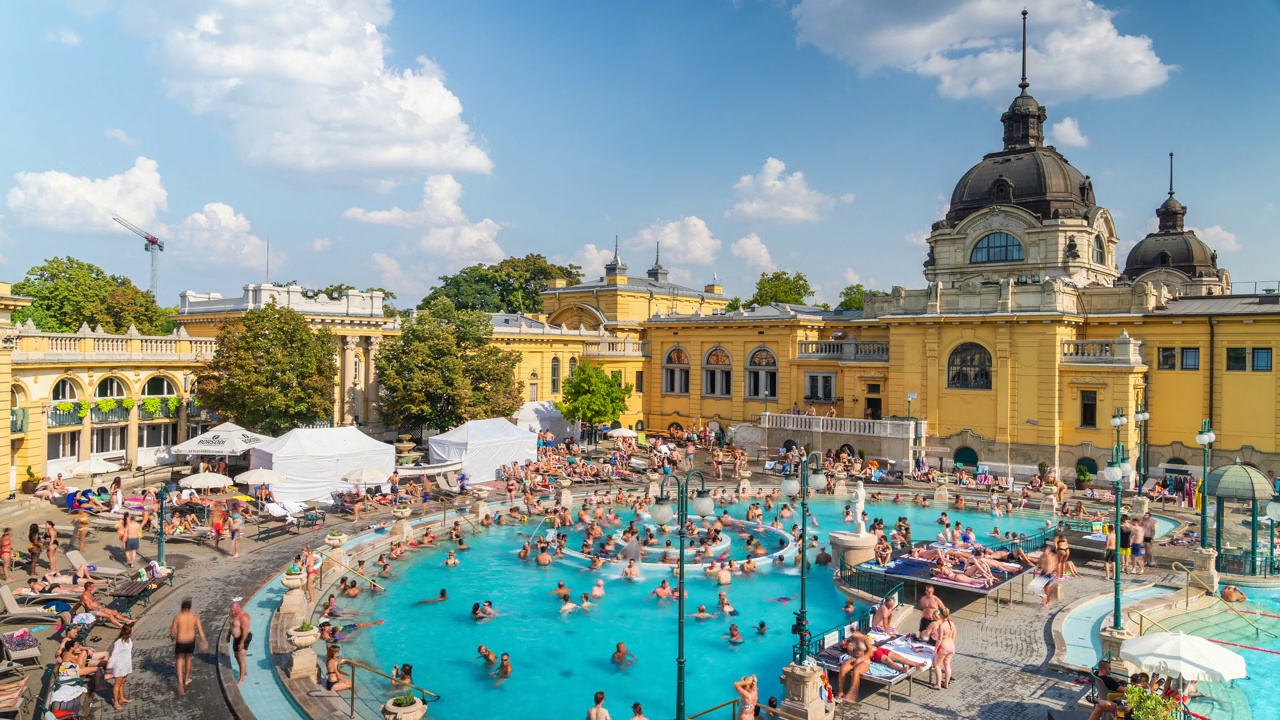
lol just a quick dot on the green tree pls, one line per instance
(735, 303)
(66, 292)
(442, 371)
(594, 397)
(853, 297)
(271, 371)
(335, 290)
(513, 285)
(781, 286)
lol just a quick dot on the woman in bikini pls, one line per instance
(749, 690)
(51, 543)
(943, 632)
(6, 551)
(33, 547)
(336, 681)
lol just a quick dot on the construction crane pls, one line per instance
(154, 245)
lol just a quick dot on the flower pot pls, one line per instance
(302, 640)
(28, 487)
(416, 711)
(335, 541)
(293, 581)
(401, 513)
(480, 494)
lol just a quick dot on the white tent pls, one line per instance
(314, 460)
(483, 446)
(225, 439)
(543, 416)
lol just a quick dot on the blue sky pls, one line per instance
(381, 143)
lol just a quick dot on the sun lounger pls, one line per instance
(13, 612)
(77, 561)
(14, 696)
(42, 598)
(19, 646)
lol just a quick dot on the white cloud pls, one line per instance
(851, 277)
(687, 241)
(1066, 132)
(66, 36)
(59, 201)
(120, 136)
(592, 259)
(1218, 238)
(919, 238)
(448, 231)
(972, 47)
(306, 86)
(775, 195)
(756, 254)
(321, 244)
(219, 235)
(395, 277)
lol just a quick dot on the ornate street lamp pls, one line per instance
(162, 495)
(662, 513)
(790, 487)
(1205, 439)
(1116, 472)
(1142, 417)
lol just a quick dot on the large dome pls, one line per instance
(1036, 178)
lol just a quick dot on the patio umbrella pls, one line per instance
(365, 476)
(205, 480)
(1176, 654)
(93, 467)
(260, 476)
(622, 432)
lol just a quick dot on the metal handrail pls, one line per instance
(1179, 567)
(336, 561)
(733, 704)
(357, 664)
(1141, 617)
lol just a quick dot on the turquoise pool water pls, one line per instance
(1080, 628)
(560, 661)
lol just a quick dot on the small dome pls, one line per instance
(1172, 246)
(1037, 179)
(1238, 482)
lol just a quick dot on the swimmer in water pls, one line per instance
(761, 629)
(452, 560)
(444, 595)
(781, 600)
(487, 655)
(585, 603)
(702, 614)
(568, 605)
(597, 592)
(662, 592)
(622, 657)
(725, 606)
(631, 572)
(561, 590)
(504, 670)
(734, 636)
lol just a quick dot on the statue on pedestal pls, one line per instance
(858, 499)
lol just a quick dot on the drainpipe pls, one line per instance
(1213, 354)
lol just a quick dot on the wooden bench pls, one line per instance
(269, 527)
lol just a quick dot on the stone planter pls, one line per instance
(302, 640)
(416, 711)
(404, 438)
(480, 494)
(293, 581)
(401, 513)
(335, 541)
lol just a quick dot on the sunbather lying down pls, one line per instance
(945, 573)
(893, 660)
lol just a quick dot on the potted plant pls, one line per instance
(404, 707)
(402, 511)
(293, 580)
(1083, 477)
(335, 539)
(1043, 468)
(1147, 705)
(303, 636)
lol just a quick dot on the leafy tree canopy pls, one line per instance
(271, 371)
(853, 297)
(442, 371)
(512, 285)
(735, 303)
(592, 396)
(781, 286)
(67, 292)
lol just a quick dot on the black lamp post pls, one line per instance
(791, 487)
(1205, 439)
(1142, 417)
(1118, 470)
(662, 513)
(162, 495)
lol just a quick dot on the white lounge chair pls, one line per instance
(77, 561)
(13, 612)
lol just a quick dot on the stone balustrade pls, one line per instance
(844, 350)
(1120, 351)
(32, 346)
(616, 349)
(904, 429)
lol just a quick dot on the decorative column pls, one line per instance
(371, 389)
(802, 698)
(131, 435)
(347, 373)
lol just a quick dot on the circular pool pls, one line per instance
(560, 660)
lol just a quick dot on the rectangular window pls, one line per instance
(639, 381)
(533, 392)
(762, 384)
(873, 388)
(1190, 358)
(675, 381)
(1168, 359)
(1089, 408)
(159, 435)
(64, 445)
(820, 387)
(1262, 359)
(108, 440)
(716, 383)
(1237, 358)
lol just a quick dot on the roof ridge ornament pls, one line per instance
(1024, 84)
(1170, 174)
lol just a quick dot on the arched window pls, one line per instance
(555, 376)
(1166, 259)
(158, 385)
(717, 373)
(762, 375)
(966, 456)
(969, 367)
(1099, 252)
(109, 388)
(1089, 464)
(675, 372)
(63, 390)
(573, 365)
(997, 247)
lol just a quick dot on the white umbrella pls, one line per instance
(365, 476)
(1176, 654)
(205, 480)
(622, 432)
(260, 476)
(93, 467)
(225, 439)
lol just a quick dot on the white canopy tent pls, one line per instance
(225, 439)
(543, 416)
(484, 446)
(314, 460)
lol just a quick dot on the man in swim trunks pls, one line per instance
(929, 604)
(239, 635)
(893, 660)
(184, 630)
(91, 605)
(622, 657)
(562, 591)
(857, 662)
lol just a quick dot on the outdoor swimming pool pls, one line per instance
(559, 662)
(1080, 628)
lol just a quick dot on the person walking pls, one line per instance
(235, 524)
(120, 665)
(240, 636)
(598, 711)
(132, 538)
(185, 630)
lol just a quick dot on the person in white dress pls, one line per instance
(120, 665)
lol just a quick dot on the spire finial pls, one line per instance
(1170, 174)
(1024, 84)
(657, 253)
(615, 248)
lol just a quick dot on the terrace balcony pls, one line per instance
(843, 350)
